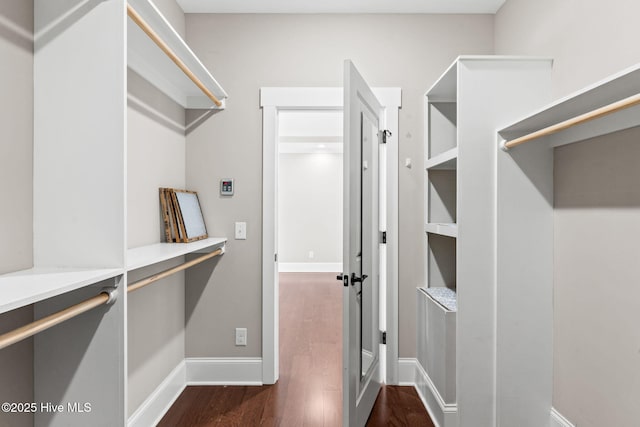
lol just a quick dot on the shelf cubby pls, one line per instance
(441, 261)
(442, 131)
(441, 196)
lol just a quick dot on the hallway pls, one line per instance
(309, 391)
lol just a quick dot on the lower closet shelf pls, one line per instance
(26, 287)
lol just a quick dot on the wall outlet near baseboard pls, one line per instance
(241, 231)
(241, 336)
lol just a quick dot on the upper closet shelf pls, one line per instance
(445, 89)
(152, 254)
(608, 106)
(30, 286)
(146, 58)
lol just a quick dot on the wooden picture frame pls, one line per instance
(182, 216)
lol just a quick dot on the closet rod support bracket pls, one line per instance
(112, 292)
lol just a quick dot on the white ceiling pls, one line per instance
(340, 6)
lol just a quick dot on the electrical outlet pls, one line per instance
(241, 336)
(311, 254)
(241, 231)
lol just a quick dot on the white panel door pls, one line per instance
(361, 332)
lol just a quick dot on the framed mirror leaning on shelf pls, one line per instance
(182, 215)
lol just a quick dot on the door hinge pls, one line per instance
(384, 134)
(276, 258)
(383, 337)
(383, 237)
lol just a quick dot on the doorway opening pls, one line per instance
(310, 169)
(274, 101)
(309, 247)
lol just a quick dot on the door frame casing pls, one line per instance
(272, 101)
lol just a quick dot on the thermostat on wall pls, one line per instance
(226, 187)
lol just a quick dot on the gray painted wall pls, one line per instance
(597, 298)
(310, 208)
(597, 206)
(246, 52)
(156, 157)
(16, 173)
(588, 39)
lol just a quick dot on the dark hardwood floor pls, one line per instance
(398, 406)
(309, 391)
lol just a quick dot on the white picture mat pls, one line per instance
(191, 214)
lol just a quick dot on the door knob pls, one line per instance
(344, 278)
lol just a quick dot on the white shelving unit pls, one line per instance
(60, 268)
(463, 108)
(79, 206)
(525, 265)
(81, 54)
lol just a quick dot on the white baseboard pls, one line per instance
(407, 371)
(558, 420)
(224, 371)
(310, 267)
(442, 414)
(195, 371)
(160, 400)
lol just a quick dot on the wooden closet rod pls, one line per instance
(167, 50)
(591, 115)
(107, 296)
(149, 280)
